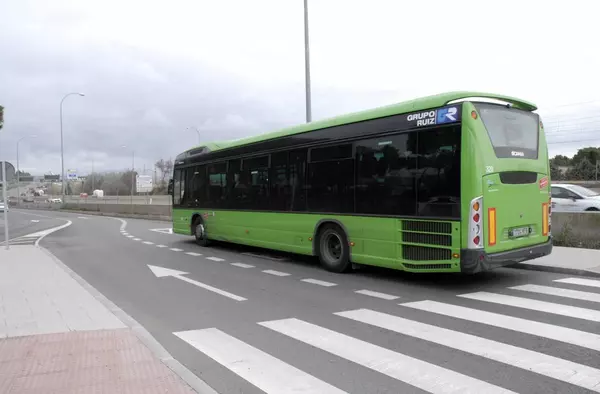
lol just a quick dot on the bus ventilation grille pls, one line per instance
(427, 227)
(429, 239)
(423, 253)
(428, 266)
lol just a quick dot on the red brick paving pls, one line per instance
(84, 362)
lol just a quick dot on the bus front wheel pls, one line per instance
(200, 232)
(334, 251)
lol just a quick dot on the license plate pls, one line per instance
(519, 232)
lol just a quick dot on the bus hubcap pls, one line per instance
(333, 247)
(200, 231)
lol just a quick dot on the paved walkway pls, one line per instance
(573, 261)
(55, 337)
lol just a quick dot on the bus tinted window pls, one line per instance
(513, 133)
(280, 187)
(438, 164)
(196, 186)
(217, 182)
(297, 168)
(331, 186)
(386, 175)
(177, 187)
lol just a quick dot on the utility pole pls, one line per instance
(4, 187)
(307, 64)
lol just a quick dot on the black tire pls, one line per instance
(199, 230)
(592, 209)
(334, 251)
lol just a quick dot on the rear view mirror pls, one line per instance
(170, 187)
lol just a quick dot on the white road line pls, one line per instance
(82, 217)
(130, 236)
(557, 333)
(161, 246)
(161, 272)
(377, 294)
(242, 265)
(276, 273)
(125, 234)
(264, 371)
(215, 259)
(176, 250)
(194, 254)
(542, 306)
(149, 243)
(318, 282)
(580, 281)
(137, 239)
(418, 373)
(555, 291)
(554, 367)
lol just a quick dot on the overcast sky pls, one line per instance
(232, 68)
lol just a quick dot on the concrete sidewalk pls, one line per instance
(571, 261)
(56, 337)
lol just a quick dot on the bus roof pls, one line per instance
(422, 103)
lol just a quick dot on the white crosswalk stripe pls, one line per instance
(542, 306)
(568, 293)
(557, 333)
(421, 374)
(257, 367)
(543, 364)
(580, 281)
(536, 364)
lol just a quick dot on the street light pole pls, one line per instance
(307, 64)
(197, 132)
(132, 175)
(18, 170)
(4, 187)
(62, 152)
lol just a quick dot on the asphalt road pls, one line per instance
(250, 324)
(23, 223)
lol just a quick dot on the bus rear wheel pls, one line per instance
(334, 251)
(200, 232)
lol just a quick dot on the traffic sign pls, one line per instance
(10, 172)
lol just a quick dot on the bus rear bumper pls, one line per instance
(473, 261)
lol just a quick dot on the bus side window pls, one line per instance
(177, 187)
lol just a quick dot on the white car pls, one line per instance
(574, 198)
(3, 206)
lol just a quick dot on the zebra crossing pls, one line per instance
(575, 370)
(26, 240)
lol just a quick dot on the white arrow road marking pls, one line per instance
(161, 272)
(162, 230)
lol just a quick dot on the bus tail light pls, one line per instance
(545, 219)
(550, 216)
(492, 226)
(475, 224)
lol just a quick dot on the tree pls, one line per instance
(555, 172)
(592, 154)
(584, 170)
(128, 179)
(561, 160)
(166, 169)
(22, 173)
(94, 181)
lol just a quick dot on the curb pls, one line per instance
(105, 214)
(556, 270)
(187, 376)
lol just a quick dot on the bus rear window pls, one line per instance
(513, 132)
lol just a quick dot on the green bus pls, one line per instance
(455, 182)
